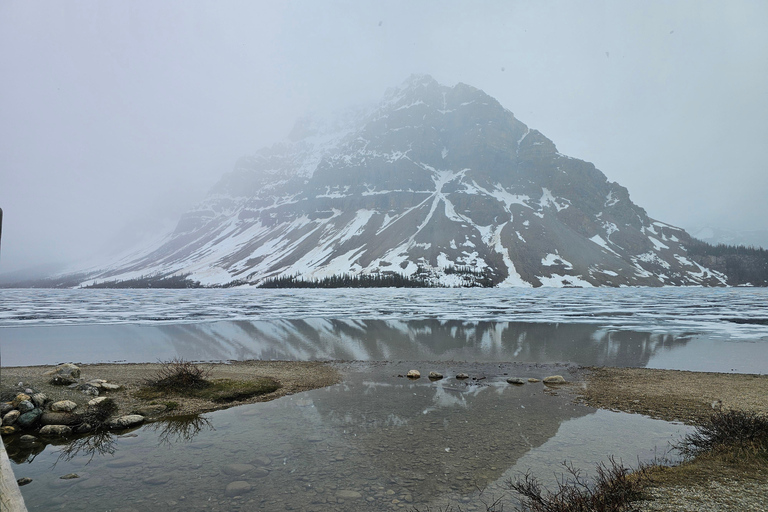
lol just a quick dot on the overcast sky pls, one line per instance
(122, 112)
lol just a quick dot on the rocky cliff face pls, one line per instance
(440, 182)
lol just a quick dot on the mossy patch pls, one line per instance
(217, 391)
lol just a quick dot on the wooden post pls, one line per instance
(11, 499)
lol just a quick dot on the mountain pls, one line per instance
(441, 184)
(715, 236)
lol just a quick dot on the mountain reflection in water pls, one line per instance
(338, 339)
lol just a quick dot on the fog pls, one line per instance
(115, 117)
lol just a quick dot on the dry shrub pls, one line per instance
(744, 431)
(612, 489)
(180, 376)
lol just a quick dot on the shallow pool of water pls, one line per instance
(376, 439)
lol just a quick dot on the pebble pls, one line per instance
(237, 488)
(515, 380)
(237, 469)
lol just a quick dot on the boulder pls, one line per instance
(63, 380)
(21, 397)
(127, 421)
(25, 406)
(435, 375)
(55, 430)
(516, 381)
(63, 406)
(554, 379)
(59, 418)
(28, 419)
(39, 399)
(11, 417)
(68, 370)
(413, 374)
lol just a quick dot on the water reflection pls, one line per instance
(376, 440)
(340, 339)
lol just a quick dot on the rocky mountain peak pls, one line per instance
(437, 183)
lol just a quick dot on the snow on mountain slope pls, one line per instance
(439, 181)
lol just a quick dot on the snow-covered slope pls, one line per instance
(438, 181)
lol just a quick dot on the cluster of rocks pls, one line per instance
(68, 375)
(551, 380)
(32, 412)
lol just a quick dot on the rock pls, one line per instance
(237, 469)
(25, 406)
(348, 494)
(70, 476)
(55, 430)
(5, 408)
(83, 428)
(59, 418)
(515, 380)
(88, 389)
(27, 439)
(261, 461)
(129, 420)
(237, 488)
(435, 375)
(110, 387)
(7, 430)
(531, 379)
(152, 410)
(11, 417)
(157, 480)
(29, 418)
(23, 481)
(61, 380)
(21, 397)
(462, 376)
(96, 401)
(259, 473)
(39, 399)
(413, 374)
(554, 379)
(63, 406)
(65, 370)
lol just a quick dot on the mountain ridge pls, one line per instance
(431, 180)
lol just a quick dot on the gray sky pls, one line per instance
(113, 113)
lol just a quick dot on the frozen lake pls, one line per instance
(682, 328)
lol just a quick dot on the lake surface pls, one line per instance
(376, 441)
(686, 328)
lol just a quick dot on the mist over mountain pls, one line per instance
(436, 183)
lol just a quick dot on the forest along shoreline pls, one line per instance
(672, 395)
